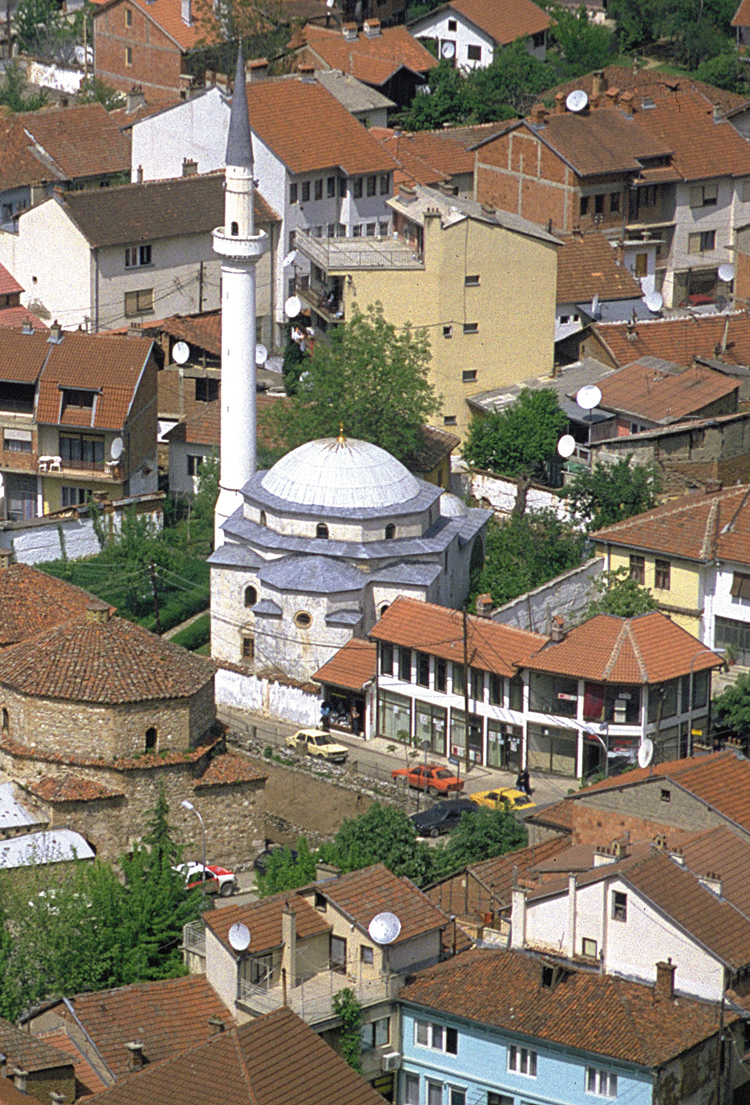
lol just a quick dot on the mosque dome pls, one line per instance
(341, 472)
(452, 507)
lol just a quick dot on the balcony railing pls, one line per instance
(343, 254)
(313, 1000)
(50, 465)
(194, 937)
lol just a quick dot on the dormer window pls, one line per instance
(77, 397)
(321, 530)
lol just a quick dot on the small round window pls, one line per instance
(302, 619)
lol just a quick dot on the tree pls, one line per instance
(294, 364)
(283, 873)
(520, 440)
(442, 101)
(346, 1006)
(619, 594)
(583, 45)
(610, 493)
(95, 90)
(726, 71)
(638, 22)
(382, 835)
(508, 86)
(372, 379)
(15, 94)
(482, 835)
(732, 707)
(525, 552)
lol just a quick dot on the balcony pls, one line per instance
(348, 254)
(312, 1000)
(106, 471)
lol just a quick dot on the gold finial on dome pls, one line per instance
(341, 439)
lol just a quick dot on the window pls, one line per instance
(619, 906)
(441, 672)
(471, 328)
(321, 530)
(251, 596)
(447, 331)
(357, 230)
(666, 795)
(129, 56)
(599, 203)
(261, 970)
(194, 464)
(390, 531)
(662, 574)
(357, 187)
(263, 519)
(235, 229)
(411, 1089)
(477, 684)
(469, 376)
(385, 184)
(81, 451)
(128, 17)
(638, 568)
(206, 390)
(293, 193)
(704, 195)
(376, 1033)
(404, 664)
(342, 187)
(584, 208)
(702, 242)
(302, 619)
(383, 230)
(78, 398)
(496, 689)
(450, 420)
(459, 683)
(331, 230)
(434, 1092)
(740, 583)
(290, 241)
(372, 185)
(456, 1094)
(641, 264)
(423, 669)
(319, 189)
(522, 1060)
(366, 954)
(614, 202)
(472, 281)
(370, 230)
(6, 721)
(331, 187)
(16, 441)
(647, 196)
(139, 303)
(386, 658)
(305, 194)
(452, 25)
(135, 256)
(601, 1082)
(151, 739)
(498, 1098)
(73, 496)
(589, 948)
(436, 1036)
(474, 53)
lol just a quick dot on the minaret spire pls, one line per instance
(241, 249)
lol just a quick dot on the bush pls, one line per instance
(196, 635)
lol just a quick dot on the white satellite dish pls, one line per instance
(576, 100)
(115, 449)
(261, 354)
(645, 752)
(291, 256)
(239, 937)
(726, 272)
(595, 304)
(654, 301)
(384, 928)
(566, 446)
(448, 50)
(293, 306)
(588, 397)
(180, 352)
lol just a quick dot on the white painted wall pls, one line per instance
(221, 971)
(196, 129)
(274, 699)
(716, 583)
(448, 25)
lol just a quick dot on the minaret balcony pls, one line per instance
(247, 249)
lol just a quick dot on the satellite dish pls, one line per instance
(448, 50)
(239, 937)
(576, 101)
(588, 397)
(180, 352)
(293, 306)
(654, 301)
(566, 446)
(726, 272)
(595, 304)
(291, 256)
(261, 354)
(115, 449)
(384, 928)
(645, 752)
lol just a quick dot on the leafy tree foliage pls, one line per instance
(95, 90)
(15, 94)
(616, 593)
(525, 552)
(282, 873)
(294, 364)
(520, 440)
(346, 1006)
(732, 707)
(508, 86)
(382, 835)
(583, 45)
(726, 70)
(609, 493)
(372, 378)
(443, 100)
(482, 835)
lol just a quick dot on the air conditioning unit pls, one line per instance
(391, 1060)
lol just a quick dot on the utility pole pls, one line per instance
(200, 287)
(156, 601)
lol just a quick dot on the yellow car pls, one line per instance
(496, 799)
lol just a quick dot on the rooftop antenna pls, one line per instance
(588, 397)
(576, 101)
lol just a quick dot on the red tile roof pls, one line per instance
(88, 1080)
(19, 316)
(27, 1052)
(202, 331)
(646, 649)
(588, 266)
(371, 60)
(741, 17)
(8, 283)
(647, 81)
(661, 396)
(22, 356)
(504, 20)
(424, 156)
(230, 769)
(439, 631)
(263, 919)
(31, 602)
(70, 788)
(109, 662)
(308, 129)
(352, 667)
(701, 527)
(591, 1012)
(677, 339)
(203, 426)
(702, 147)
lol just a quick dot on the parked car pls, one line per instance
(496, 799)
(443, 817)
(434, 778)
(316, 742)
(260, 863)
(218, 880)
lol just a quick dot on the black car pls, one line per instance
(260, 863)
(442, 817)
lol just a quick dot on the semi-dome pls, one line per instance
(340, 472)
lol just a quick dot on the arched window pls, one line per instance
(151, 739)
(6, 722)
(383, 609)
(390, 531)
(321, 530)
(235, 229)
(251, 596)
(263, 520)
(302, 619)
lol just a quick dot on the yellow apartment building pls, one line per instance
(481, 282)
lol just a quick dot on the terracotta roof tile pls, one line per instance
(439, 631)
(27, 1052)
(8, 283)
(32, 602)
(87, 1079)
(699, 527)
(588, 266)
(309, 130)
(203, 427)
(142, 762)
(702, 147)
(22, 356)
(70, 788)
(229, 770)
(19, 316)
(424, 156)
(741, 17)
(661, 395)
(371, 60)
(646, 649)
(352, 666)
(504, 20)
(679, 339)
(202, 331)
(596, 1013)
(647, 81)
(263, 919)
(113, 661)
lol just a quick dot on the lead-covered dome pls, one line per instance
(340, 472)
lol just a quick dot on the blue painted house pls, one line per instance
(499, 1027)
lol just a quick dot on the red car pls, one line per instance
(434, 778)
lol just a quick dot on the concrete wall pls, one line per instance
(244, 691)
(500, 495)
(568, 596)
(196, 129)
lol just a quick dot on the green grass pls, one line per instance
(195, 636)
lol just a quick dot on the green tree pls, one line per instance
(37, 23)
(732, 707)
(525, 552)
(95, 90)
(282, 873)
(372, 378)
(382, 835)
(508, 86)
(482, 835)
(346, 1006)
(638, 22)
(294, 364)
(726, 70)
(583, 45)
(15, 93)
(520, 440)
(443, 101)
(609, 493)
(616, 593)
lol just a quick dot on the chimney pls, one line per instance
(349, 31)
(557, 630)
(484, 606)
(189, 166)
(186, 11)
(289, 946)
(488, 209)
(27, 328)
(257, 69)
(406, 193)
(19, 1079)
(560, 103)
(99, 612)
(372, 28)
(518, 917)
(324, 872)
(613, 95)
(664, 988)
(136, 1060)
(139, 175)
(598, 82)
(718, 114)
(712, 882)
(55, 333)
(626, 102)
(538, 115)
(135, 330)
(135, 98)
